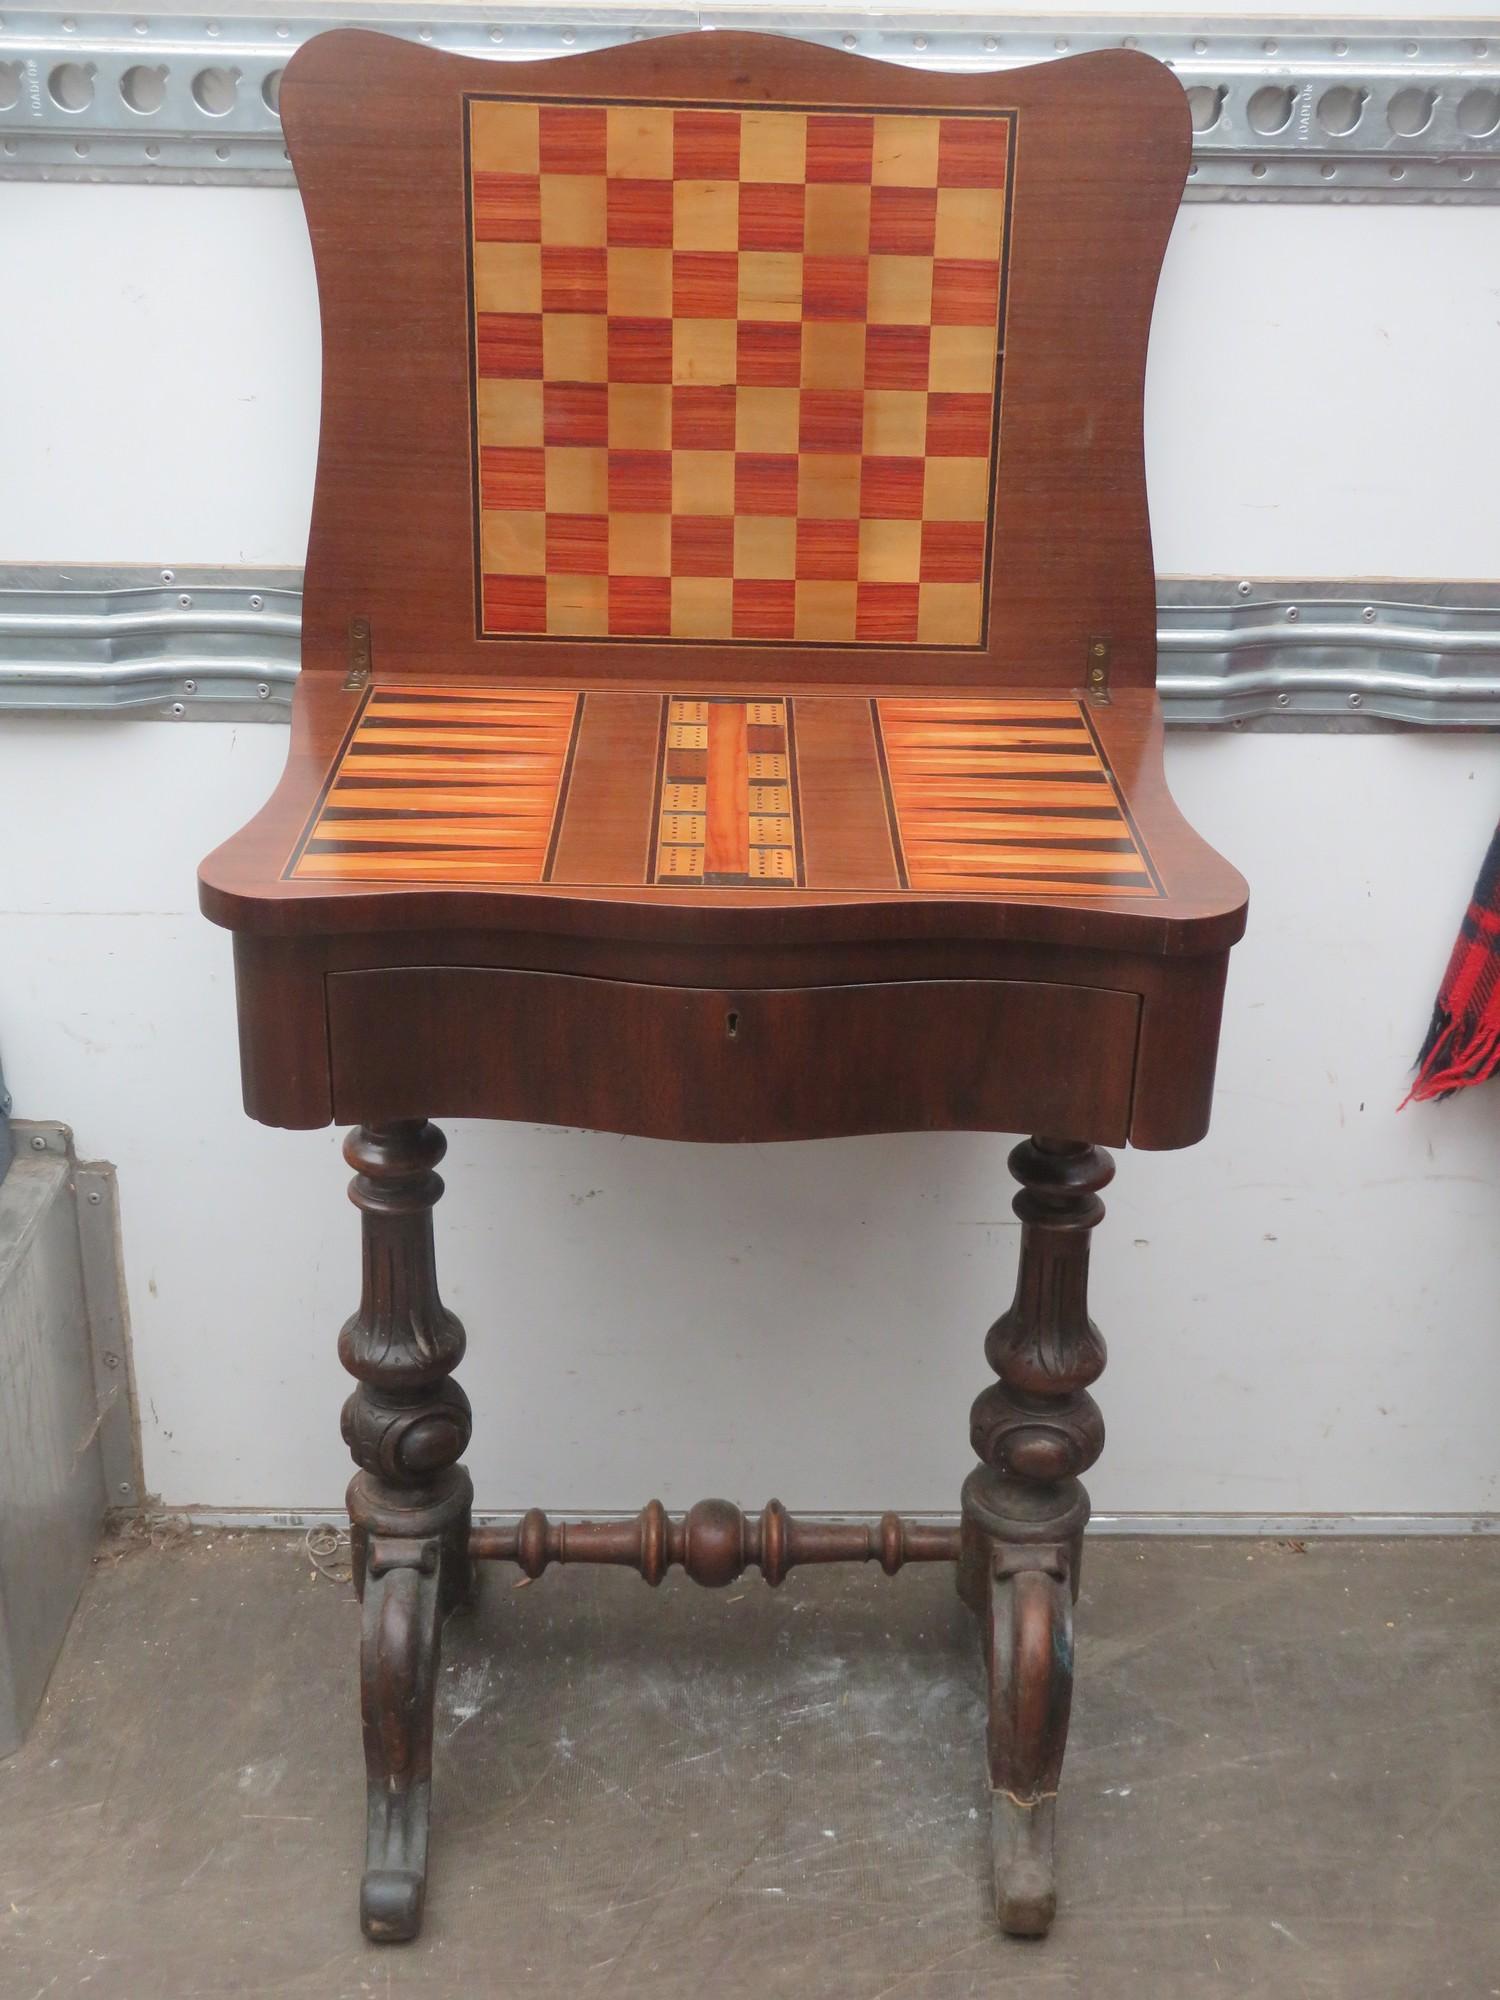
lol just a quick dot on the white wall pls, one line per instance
(1301, 1311)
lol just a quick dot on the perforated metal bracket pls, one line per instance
(1283, 110)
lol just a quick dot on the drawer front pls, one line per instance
(675, 1062)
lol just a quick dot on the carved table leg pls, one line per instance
(410, 1503)
(1024, 1511)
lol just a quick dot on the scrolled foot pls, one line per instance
(390, 1905)
(1021, 1845)
(1031, 1683)
(402, 1620)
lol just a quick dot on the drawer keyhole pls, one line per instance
(732, 1025)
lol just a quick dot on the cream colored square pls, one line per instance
(773, 146)
(705, 215)
(640, 545)
(770, 284)
(895, 423)
(956, 489)
(503, 138)
(824, 611)
(702, 607)
(961, 359)
(890, 551)
(638, 142)
(900, 291)
(969, 222)
(836, 220)
(576, 479)
(509, 412)
(906, 152)
(640, 416)
(765, 546)
(508, 277)
(513, 544)
(828, 487)
(704, 352)
(949, 614)
(578, 605)
(638, 283)
(575, 347)
(703, 482)
(572, 210)
(833, 354)
(767, 420)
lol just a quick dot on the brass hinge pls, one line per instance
(1098, 668)
(358, 675)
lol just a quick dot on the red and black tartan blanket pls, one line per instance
(1463, 1042)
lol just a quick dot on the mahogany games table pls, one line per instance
(728, 713)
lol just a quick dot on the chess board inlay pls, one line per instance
(736, 372)
(673, 792)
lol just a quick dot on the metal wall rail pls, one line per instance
(214, 643)
(1283, 110)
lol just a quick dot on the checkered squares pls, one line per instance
(736, 370)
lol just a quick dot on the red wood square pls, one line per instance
(772, 215)
(965, 291)
(507, 208)
(512, 476)
(764, 609)
(640, 607)
(959, 426)
(886, 613)
(705, 284)
(890, 489)
(840, 147)
(903, 221)
(828, 551)
(640, 350)
(765, 483)
(638, 214)
(573, 280)
(577, 544)
(510, 346)
(640, 482)
(703, 420)
(702, 545)
(896, 357)
(575, 413)
(769, 354)
(706, 146)
(572, 138)
(832, 420)
(834, 287)
(515, 603)
(952, 552)
(972, 152)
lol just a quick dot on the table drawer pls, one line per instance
(676, 1062)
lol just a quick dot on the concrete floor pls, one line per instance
(1284, 1780)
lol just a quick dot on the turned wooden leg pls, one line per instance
(1024, 1512)
(410, 1503)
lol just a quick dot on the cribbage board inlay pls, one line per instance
(485, 785)
(736, 372)
(728, 794)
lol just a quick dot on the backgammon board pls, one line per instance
(615, 788)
